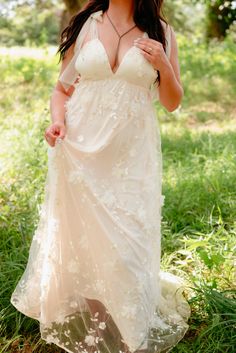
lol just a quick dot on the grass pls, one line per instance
(199, 214)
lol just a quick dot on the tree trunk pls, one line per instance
(72, 7)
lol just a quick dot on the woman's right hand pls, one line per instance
(54, 131)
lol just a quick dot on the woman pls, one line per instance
(93, 277)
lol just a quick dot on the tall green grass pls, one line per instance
(199, 214)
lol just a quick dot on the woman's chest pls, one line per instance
(93, 62)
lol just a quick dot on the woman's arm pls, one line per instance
(57, 105)
(170, 88)
(59, 95)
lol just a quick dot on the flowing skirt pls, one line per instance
(93, 277)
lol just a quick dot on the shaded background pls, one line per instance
(199, 161)
(25, 22)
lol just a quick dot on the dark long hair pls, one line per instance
(147, 16)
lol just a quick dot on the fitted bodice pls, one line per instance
(93, 63)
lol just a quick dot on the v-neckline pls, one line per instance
(107, 57)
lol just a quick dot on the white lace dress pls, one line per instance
(93, 276)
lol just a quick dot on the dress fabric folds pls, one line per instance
(93, 278)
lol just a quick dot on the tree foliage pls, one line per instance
(220, 15)
(27, 22)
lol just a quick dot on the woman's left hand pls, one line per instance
(153, 51)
